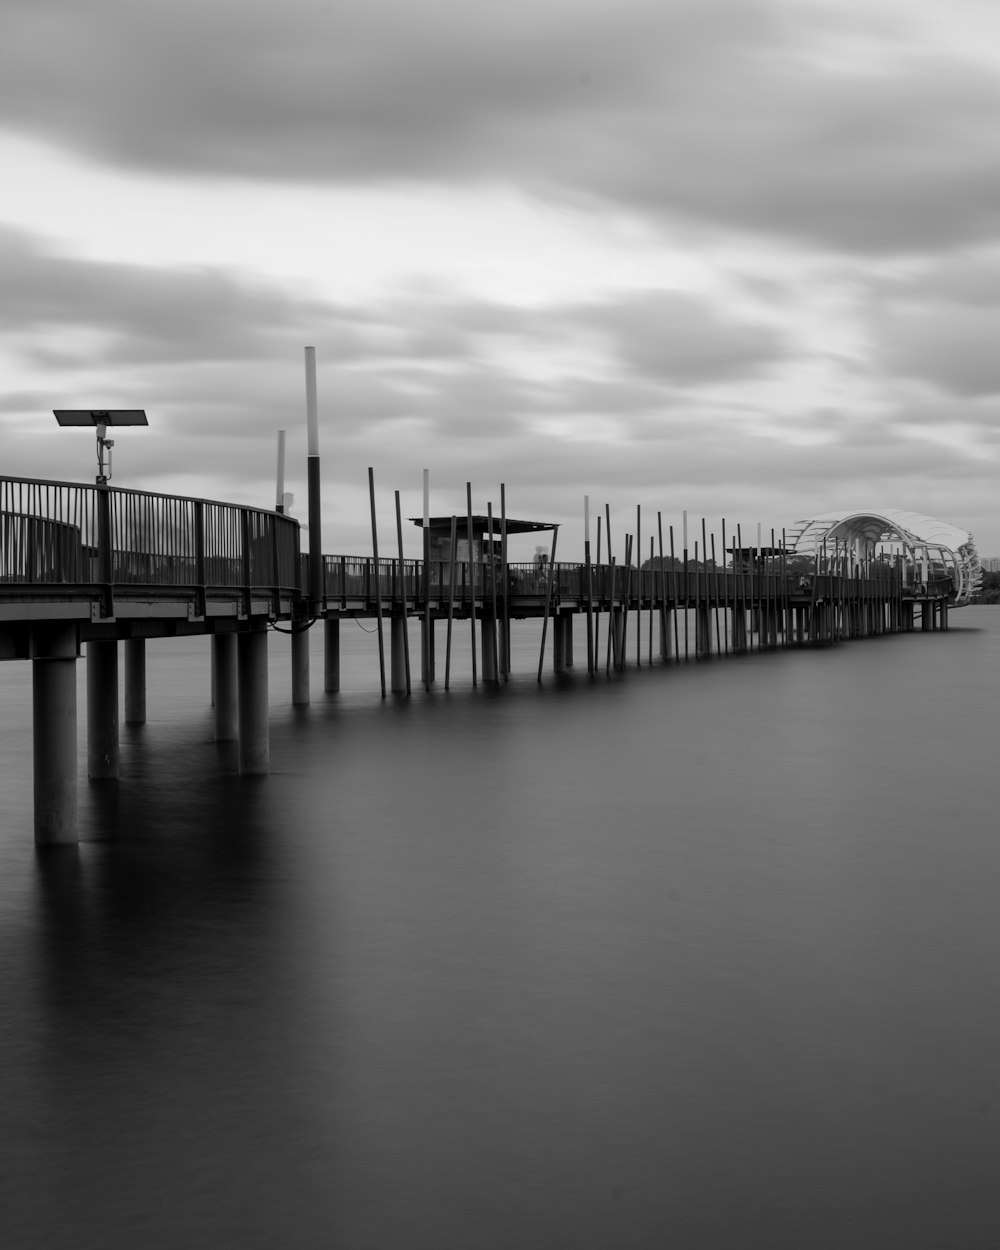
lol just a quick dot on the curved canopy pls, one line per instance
(937, 547)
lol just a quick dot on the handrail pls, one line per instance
(64, 532)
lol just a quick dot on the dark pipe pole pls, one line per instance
(315, 504)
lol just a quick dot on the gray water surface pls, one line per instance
(702, 956)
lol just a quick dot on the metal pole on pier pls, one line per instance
(505, 582)
(378, 581)
(402, 594)
(548, 598)
(427, 650)
(590, 583)
(451, 601)
(279, 485)
(597, 619)
(472, 576)
(315, 498)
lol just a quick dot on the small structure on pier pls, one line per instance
(477, 538)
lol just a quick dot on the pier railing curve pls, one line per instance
(61, 534)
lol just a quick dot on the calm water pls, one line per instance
(705, 956)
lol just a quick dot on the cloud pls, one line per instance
(940, 325)
(837, 128)
(633, 396)
(144, 314)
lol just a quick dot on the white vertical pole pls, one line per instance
(279, 492)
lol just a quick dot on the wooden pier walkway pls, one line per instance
(95, 566)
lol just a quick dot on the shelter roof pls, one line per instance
(481, 525)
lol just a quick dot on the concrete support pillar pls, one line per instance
(739, 630)
(397, 655)
(427, 673)
(102, 710)
(488, 636)
(702, 631)
(559, 643)
(251, 676)
(568, 639)
(53, 690)
(906, 615)
(504, 641)
(331, 655)
(135, 681)
(926, 616)
(666, 633)
(227, 723)
(617, 637)
(944, 613)
(300, 668)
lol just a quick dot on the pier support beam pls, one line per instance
(331, 655)
(397, 673)
(53, 693)
(427, 650)
(488, 639)
(739, 630)
(251, 666)
(562, 642)
(300, 667)
(702, 631)
(617, 627)
(227, 724)
(102, 711)
(135, 681)
(504, 648)
(666, 628)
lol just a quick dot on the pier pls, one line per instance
(86, 567)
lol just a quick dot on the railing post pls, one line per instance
(199, 556)
(275, 563)
(246, 563)
(105, 559)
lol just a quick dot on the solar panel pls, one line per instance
(100, 416)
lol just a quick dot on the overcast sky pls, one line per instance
(739, 257)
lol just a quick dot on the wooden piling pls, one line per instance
(402, 602)
(590, 582)
(506, 582)
(493, 592)
(378, 581)
(638, 598)
(673, 579)
(451, 599)
(597, 618)
(727, 597)
(472, 577)
(548, 599)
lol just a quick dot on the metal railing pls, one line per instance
(355, 582)
(59, 533)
